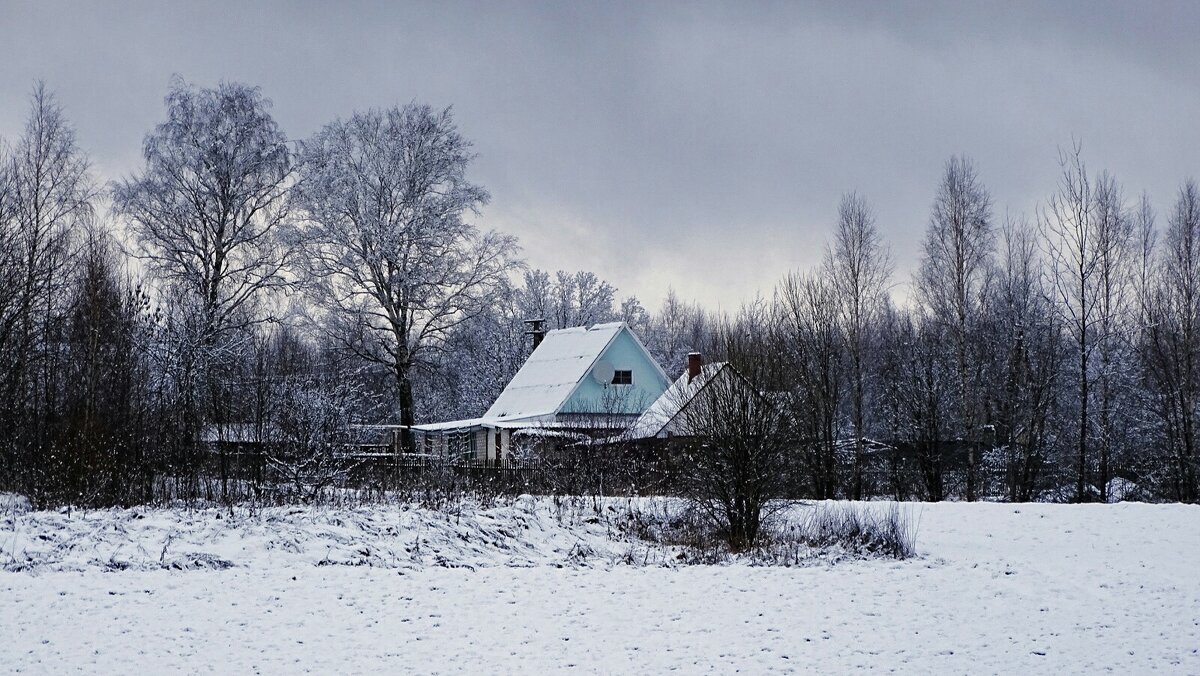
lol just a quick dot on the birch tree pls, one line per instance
(1115, 287)
(206, 209)
(1067, 225)
(677, 328)
(920, 394)
(581, 299)
(951, 286)
(1026, 337)
(392, 261)
(859, 266)
(205, 213)
(810, 345)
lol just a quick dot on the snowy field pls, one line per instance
(997, 589)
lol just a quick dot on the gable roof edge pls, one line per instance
(657, 367)
(586, 371)
(703, 386)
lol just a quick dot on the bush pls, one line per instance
(861, 529)
(796, 535)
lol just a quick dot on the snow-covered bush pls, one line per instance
(857, 528)
(793, 535)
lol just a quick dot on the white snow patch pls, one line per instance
(1030, 589)
(13, 504)
(525, 531)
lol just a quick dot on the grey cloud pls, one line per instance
(700, 146)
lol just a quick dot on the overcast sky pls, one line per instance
(697, 146)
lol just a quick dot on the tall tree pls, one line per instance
(207, 207)
(390, 256)
(1172, 353)
(46, 195)
(1067, 225)
(205, 213)
(675, 330)
(635, 315)
(1024, 337)
(951, 286)
(1115, 285)
(581, 299)
(102, 457)
(859, 266)
(919, 393)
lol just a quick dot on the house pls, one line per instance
(577, 383)
(665, 417)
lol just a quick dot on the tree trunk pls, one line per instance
(407, 419)
(1081, 461)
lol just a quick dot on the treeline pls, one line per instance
(1046, 360)
(1052, 358)
(244, 286)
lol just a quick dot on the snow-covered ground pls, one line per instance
(998, 589)
(524, 531)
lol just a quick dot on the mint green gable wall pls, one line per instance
(624, 354)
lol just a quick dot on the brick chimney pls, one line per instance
(695, 361)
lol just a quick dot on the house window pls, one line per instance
(622, 378)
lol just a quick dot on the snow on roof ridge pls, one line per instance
(584, 329)
(569, 329)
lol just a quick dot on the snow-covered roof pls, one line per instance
(655, 419)
(550, 375)
(449, 425)
(539, 427)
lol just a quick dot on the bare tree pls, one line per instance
(104, 453)
(205, 213)
(738, 459)
(1172, 350)
(581, 299)
(206, 209)
(393, 264)
(920, 393)
(633, 313)
(46, 195)
(951, 286)
(1115, 286)
(859, 266)
(675, 330)
(1145, 240)
(1026, 336)
(808, 340)
(534, 298)
(1067, 225)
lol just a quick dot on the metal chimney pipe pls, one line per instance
(695, 361)
(536, 330)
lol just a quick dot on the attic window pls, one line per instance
(622, 378)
